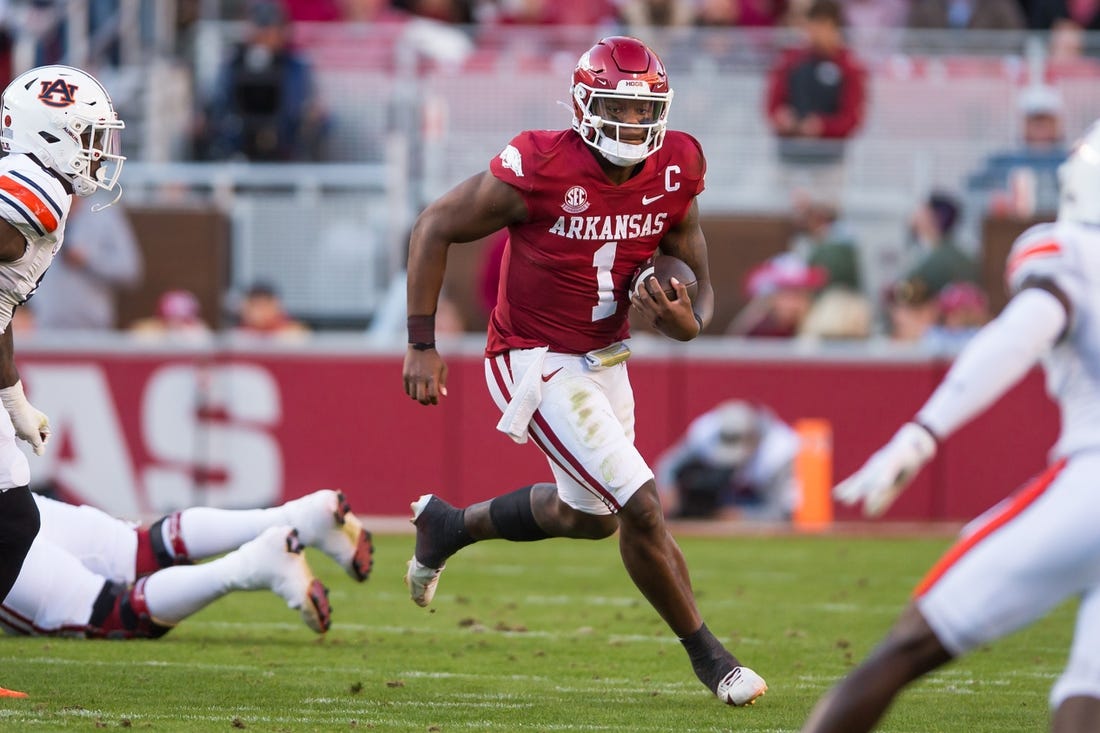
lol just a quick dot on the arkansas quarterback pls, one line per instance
(584, 208)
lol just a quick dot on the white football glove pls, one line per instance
(30, 424)
(886, 473)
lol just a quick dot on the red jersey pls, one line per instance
(566, 269)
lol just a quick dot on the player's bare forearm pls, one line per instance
(426, 266)
(9, 375)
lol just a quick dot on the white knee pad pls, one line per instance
(1081, 678)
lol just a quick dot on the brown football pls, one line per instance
(664, 268)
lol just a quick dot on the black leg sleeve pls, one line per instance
(19, 524)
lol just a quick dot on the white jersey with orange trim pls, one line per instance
(1069, 255)
(1038, 547)
(37, 204)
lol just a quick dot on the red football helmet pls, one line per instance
(621, 98)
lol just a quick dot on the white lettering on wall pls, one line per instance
(97, 468)
(209, 428)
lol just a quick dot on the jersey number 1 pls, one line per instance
(603, 261)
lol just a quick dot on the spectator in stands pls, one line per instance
(262, 313)
(444, 11)
(741, 13)
(816, 98)
(735, 461)
(265, 106)
(838, 314)
(913, 311)
(938, 260)
(1024, 181)
(781, 292)
(866, 17)
(177, 316)
(558, 12)
(100, 258)
(964, 308)
(824, 240)
(989, 15)
(642, 15)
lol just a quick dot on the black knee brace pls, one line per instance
(513, 519)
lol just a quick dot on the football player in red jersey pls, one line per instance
(584, 209)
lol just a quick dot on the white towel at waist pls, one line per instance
(526, 397)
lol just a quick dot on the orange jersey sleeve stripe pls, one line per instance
(1042, 249)
(1021, 501)
(31, 200)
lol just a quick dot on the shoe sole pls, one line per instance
(362, 560)
(317, 613)
(315, 609)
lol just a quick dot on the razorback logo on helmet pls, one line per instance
(63, 90)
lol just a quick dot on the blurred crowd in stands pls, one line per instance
(264, 106)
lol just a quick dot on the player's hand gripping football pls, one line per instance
(425, 375)
(886, 473)
(30, 423)
(673, 318)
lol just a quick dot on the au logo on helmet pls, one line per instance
(59, 87)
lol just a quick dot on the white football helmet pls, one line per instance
(65, 118)
(1079, 180)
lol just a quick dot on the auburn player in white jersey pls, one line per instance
(59, 130)
(585, 208)
(91, 575)
(1040, 546)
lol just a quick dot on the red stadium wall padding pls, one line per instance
(141, 433)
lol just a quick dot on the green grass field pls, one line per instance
(547, 636)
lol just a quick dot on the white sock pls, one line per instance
(207, 532)
(175, 593)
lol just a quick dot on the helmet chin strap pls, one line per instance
(112, 202)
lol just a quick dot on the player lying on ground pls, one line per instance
(92, 575)
(1041, 546)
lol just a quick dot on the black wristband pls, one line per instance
(699, 320)
(421, 331)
